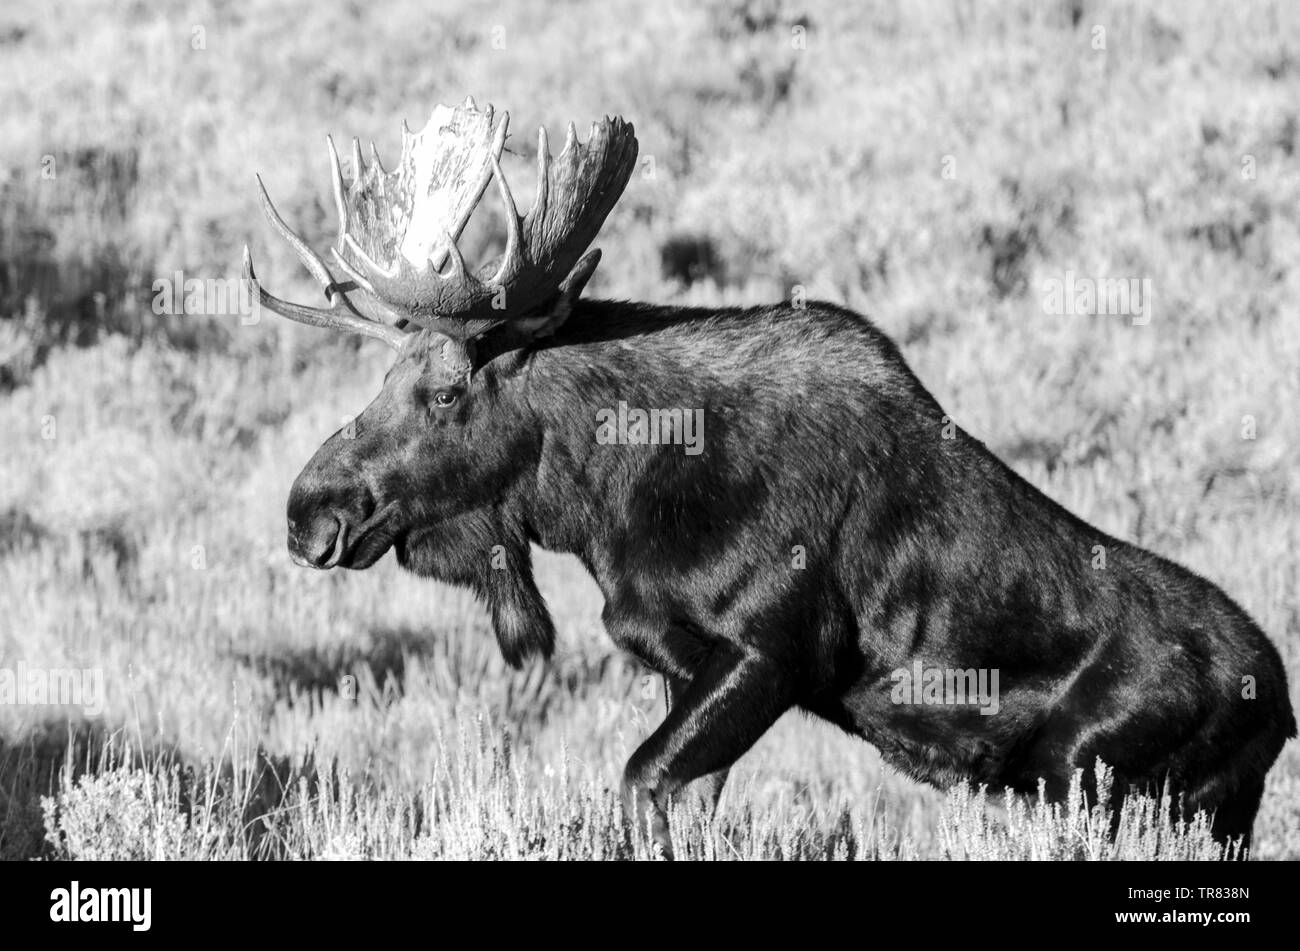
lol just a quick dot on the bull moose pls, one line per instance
(833, 528)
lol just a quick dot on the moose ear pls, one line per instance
(552, 315)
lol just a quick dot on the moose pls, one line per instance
(835, 527)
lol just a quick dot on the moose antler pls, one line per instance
(398, 230)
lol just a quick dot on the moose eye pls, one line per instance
(444, 398)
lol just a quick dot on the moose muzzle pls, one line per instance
(319, 541)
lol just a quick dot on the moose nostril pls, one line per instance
(314, 544)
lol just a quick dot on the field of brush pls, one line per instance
(934, 165)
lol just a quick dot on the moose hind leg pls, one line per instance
(1235, 817)
(730, 701)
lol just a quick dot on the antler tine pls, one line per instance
(358, 166)
(340, 189)
(377, 277)
(305, 254)
(543, 174)
(333, 319)
(512, 260)
(357, 277)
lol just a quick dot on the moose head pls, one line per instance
(428, 457)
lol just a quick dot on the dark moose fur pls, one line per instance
(816, 434)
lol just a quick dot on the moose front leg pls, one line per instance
(729, 702)
(708, 787)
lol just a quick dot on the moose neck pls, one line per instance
(619, 403)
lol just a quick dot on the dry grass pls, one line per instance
(483, 800)
(147, 459)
